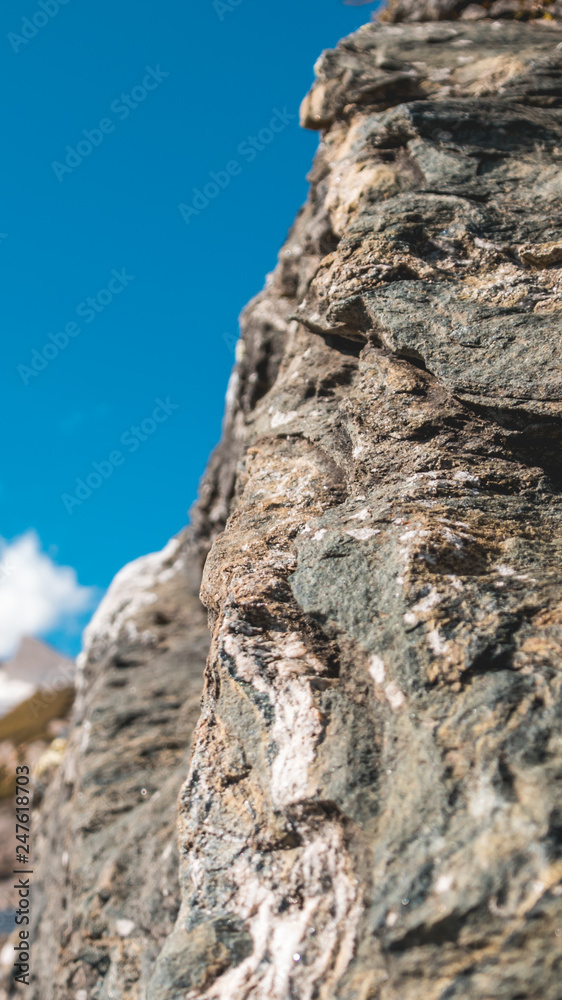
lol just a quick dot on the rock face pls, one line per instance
(106, 887)
(371, 811)
(445, 10)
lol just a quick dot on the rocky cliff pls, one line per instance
(372, 809)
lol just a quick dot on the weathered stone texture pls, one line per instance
(105, 859)
(373, 808)
(447, 10)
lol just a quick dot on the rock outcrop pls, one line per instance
(372, 810)
(449, 10)
(106, 891)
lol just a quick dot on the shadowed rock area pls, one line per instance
(372, 810)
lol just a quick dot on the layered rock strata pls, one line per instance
(372, 810)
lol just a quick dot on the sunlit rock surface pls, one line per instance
(373, 807)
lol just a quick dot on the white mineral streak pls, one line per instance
(444, 883)
(324, 925)
(362, 534)
(124, 927)
(377, 669)
(297, 727)
(313, 939)
(437, 643)
(394, 695)
(505, 570)
(423, 607)
(428, 602)
(361, 515)
(280, 419)
(296, 731)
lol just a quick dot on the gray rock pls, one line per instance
(105, 882)
(372, 810)
(444, 10)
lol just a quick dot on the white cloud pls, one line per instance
(36, 595)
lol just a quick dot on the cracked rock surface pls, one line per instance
(373, 808)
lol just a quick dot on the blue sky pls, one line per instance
(167, 94)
